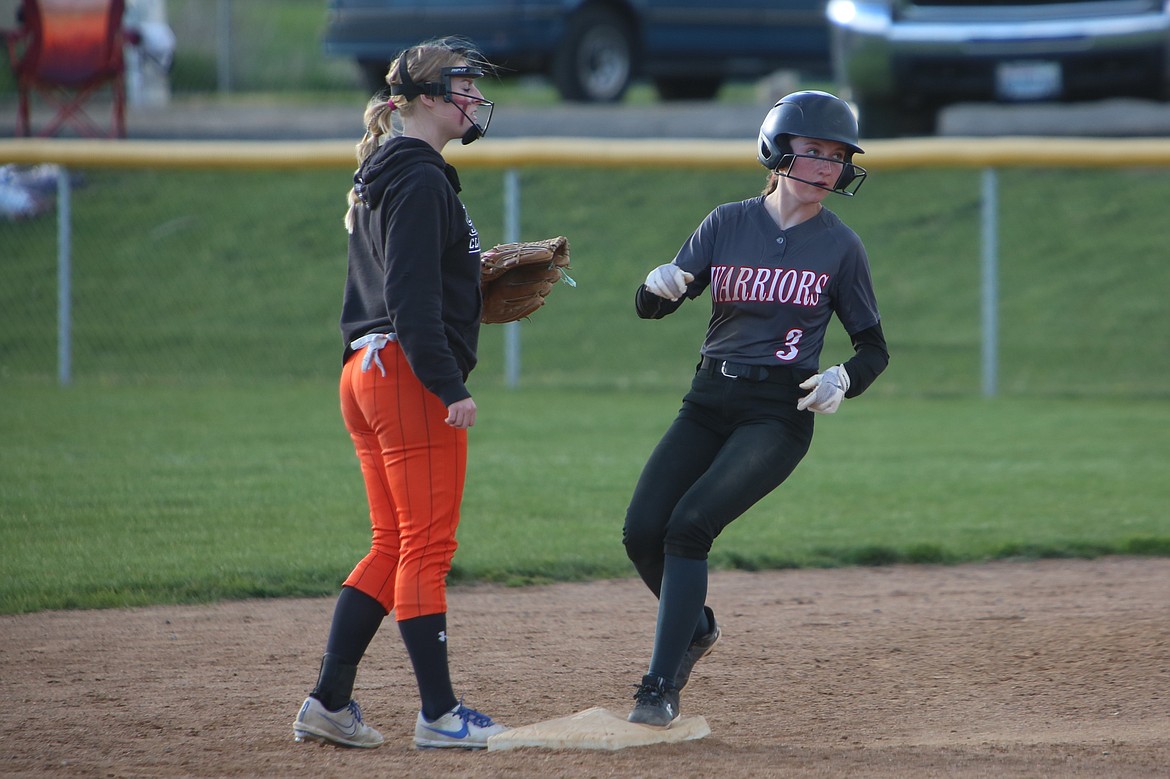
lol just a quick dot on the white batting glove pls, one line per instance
(828, 390)
(669, 281)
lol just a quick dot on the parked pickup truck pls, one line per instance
(902, 60)
(593, 49)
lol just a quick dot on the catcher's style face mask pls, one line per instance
(410, 89)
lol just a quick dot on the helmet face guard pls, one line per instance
(848, 182)
(811, 114)
(410, 89)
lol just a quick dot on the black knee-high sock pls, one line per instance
(356, 618)
(426, 643)
(650, 571)
(680, 608)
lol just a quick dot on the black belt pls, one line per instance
(737, 370)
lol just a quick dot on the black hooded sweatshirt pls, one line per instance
(414, 265)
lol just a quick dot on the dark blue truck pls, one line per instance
(593, 49)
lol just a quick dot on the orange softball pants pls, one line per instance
(414, 465)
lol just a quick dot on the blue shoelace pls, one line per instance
(473, 717)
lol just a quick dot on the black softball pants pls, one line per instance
(732, 443)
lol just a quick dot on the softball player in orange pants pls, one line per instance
(413, 464)
(410, 320)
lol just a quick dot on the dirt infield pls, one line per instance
(1048, 669)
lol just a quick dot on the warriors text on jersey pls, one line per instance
(773, 291)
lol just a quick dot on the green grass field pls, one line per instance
(117, 497)
(199, 453)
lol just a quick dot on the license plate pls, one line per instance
(1031, 80)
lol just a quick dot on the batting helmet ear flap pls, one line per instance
(773, 147)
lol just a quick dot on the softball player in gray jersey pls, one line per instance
(777, 268)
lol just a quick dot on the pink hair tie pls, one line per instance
(391, 104)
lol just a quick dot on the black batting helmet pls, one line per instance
(809, 114)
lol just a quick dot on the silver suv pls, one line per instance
(900, 61)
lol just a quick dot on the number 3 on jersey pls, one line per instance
(790, 341)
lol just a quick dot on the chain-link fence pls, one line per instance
(197, 276)
(181, 275)
(172, 278)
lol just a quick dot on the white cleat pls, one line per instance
(343, 727)
(460, 728)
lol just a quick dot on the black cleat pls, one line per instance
(655, 702)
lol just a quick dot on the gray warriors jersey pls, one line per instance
(774, 291)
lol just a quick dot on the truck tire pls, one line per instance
(596, 62)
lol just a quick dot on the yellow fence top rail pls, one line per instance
(891, 154)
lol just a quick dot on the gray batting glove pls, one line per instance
(828, 390)
(669, 281)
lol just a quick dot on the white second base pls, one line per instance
(597, 728)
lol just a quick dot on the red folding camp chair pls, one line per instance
(67, 51)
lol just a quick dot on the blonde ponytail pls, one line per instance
(380, 127)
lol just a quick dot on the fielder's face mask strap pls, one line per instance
(410, 89)
(847, 183)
